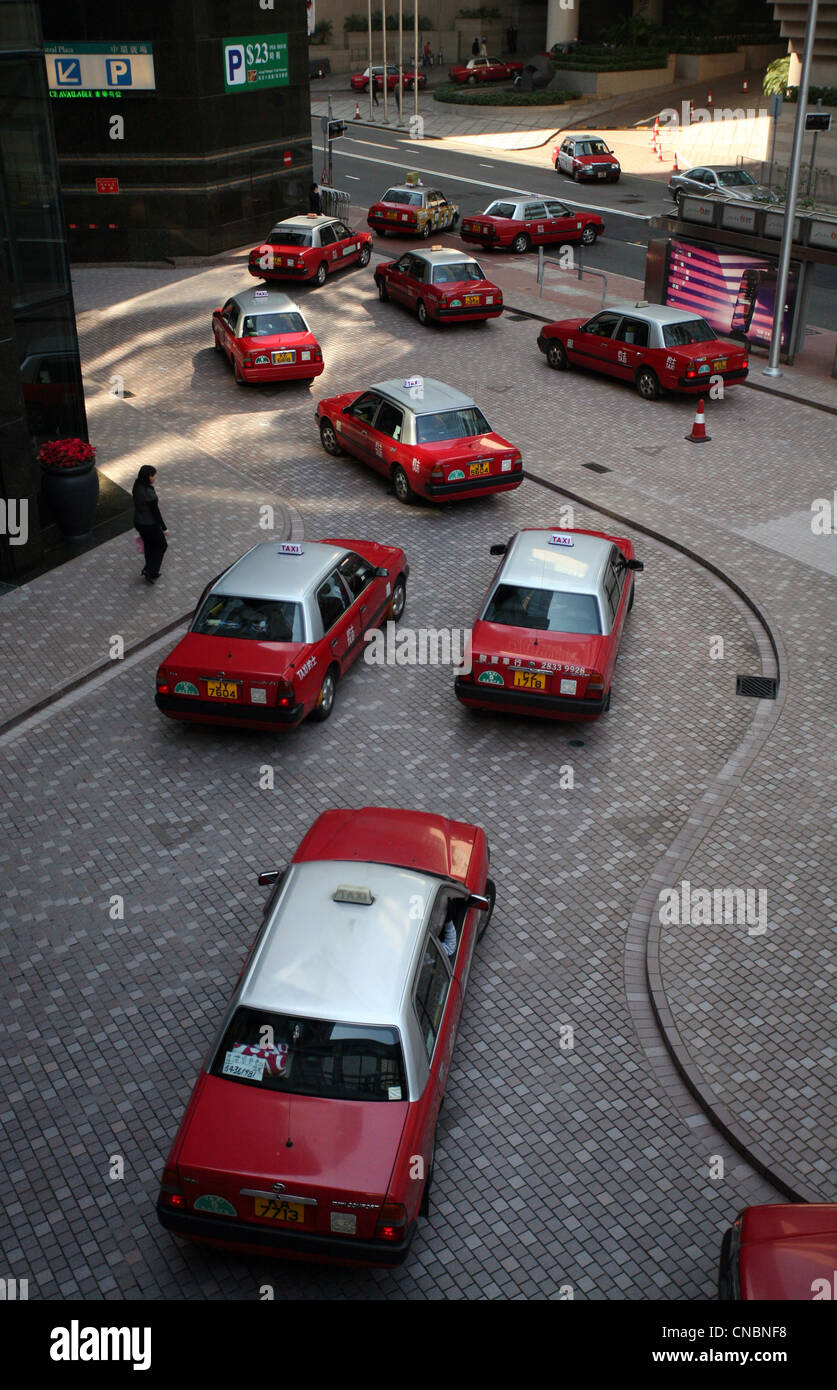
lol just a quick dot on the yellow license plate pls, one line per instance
(471, 299)
(222, 690)
(277, 1210)
(479, 470)
(720, 365)
(391, 213)
(279, 358)
(530, 680)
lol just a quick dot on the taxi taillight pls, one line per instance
(163, 687)
(284, 693)
(437, 473)
(171, 1193)
(517, 464)
(392, 1221)
(595, 686)
(744, 362)
(691, 372)
(247, 362)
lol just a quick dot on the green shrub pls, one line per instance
(480, 96)
(590, 58)
(479, 12)
(827, 95)
(322, 31)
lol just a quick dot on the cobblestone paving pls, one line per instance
(553, 1168)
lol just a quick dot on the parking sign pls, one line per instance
(235, 72)
(255, 60)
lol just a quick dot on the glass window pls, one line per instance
(312, 1057)
(327, 236)
(735, 178)
(356, 573)
(595, 147)
(257, 619)
(271, 325)
(690, 331)
(501, 210)
(451, 424)
(431, 993)
(558, 210)
(405, 264)
(534, 210)
(291, 236)
(614, 581)
(547, 610)
(332, 600)
(390, 421)
(364, 408)
(632, 331)
(461, 270)
(341, 231)
(229, 310)
(398, 195)
(602, 325)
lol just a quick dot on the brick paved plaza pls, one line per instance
(590, 1167)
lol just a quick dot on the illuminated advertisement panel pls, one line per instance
(735, 292)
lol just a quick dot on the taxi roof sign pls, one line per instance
(560, 538)
(411, 381)
(291, 548)
(260, 294)
(413, 178)
(350, 893)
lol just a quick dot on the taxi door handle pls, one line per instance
(333, 643)
(363, 608)
(392, 448)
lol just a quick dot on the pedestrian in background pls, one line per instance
(483, 48)
(428, 55)
(511, 38)
(315, 202)
(149, 522)
(374, 83)
(475, 47)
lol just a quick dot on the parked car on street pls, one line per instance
(722, 180)
(410, 210)
(309, 247)
(485, 70)
(359, 82)
(657, 347)
(439, 285)
(265, 337)
(521, 223)
(310, 1131)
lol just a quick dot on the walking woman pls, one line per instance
(149, 522)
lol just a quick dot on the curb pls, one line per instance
(647, 935)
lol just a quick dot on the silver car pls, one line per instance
(722, 181)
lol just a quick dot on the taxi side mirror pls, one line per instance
(499, 549)
(269, 876)
(635, 565)
(478, 901)
(381, 573)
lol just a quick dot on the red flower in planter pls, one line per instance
(66, 453)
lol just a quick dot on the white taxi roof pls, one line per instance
(576, 568)
(266, 300)
(341, 960)
(435, 395)
(306, 220)
(653, 313)
(264, 572)
(448, 256)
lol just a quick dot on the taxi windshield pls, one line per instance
(257, 619)
(312, 1057)
(271, 325)
(462, 270)
(398, 195)
(548, 610)
(593, 147)
(734, 178)
(690, 331)
(451, 424)
(291, 236)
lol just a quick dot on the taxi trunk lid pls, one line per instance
(484, 455)
(339, 1159)
(529, 659)
(199, 660)
(710, 355)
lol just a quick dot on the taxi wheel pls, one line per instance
(398, 600)
(401, 485)
(329, 439)
(237, 373)
(365, 254)
(556, 355)
(322, 272)
(424, 1205)
(521, 243)
(491, 894)
(383, 292)
(326, 697)
(647, 384)
(633, 596)
(606, 706)
(422, 314)
(216, 344)
(588, 236)
(425, 231)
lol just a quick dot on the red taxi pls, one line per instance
(521, 223)
(586, 158)
(656, 347)
(548, 633)
(309, 248)
(409, 209)
(781, 1251)
(439, 285)
(274, 633)
(479, 69)
(359, 81)
(427, 438)
(310, 1132)
(265, 337)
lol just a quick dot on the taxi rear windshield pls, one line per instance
(259, 619)
(451, 424)
(312, 1057)
(291, 236)
(548, 610)
(450, 274)
(397, 195)
(692, 331)
(271, 325)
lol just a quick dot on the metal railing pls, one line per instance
(578, 268)
(335, 202)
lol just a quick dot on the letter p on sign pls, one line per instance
(234, 60)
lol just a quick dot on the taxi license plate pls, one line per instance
(480, 469)
(391, 213)
(277, 1210)
(530, 680)
(279, 358)
(471, 299)
(222, 690)
(720, 364)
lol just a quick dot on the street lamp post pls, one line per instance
(415, 61)
(384, 60)
(371, 73)
(400, 62)
(773, 368)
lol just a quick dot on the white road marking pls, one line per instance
(356, 177)
(497, 187)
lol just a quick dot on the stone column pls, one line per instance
(562, 21)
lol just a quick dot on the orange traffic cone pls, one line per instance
(745, 88)
(708, 98)
(675, 168)
(659, 154)
(357, 111)
(699, 435)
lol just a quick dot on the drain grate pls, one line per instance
(760, 687)
(597, 468)
(516, 318)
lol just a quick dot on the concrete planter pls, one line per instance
(615, 83)
(706, 67)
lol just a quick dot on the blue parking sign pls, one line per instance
(119, 72)
(68, 72)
